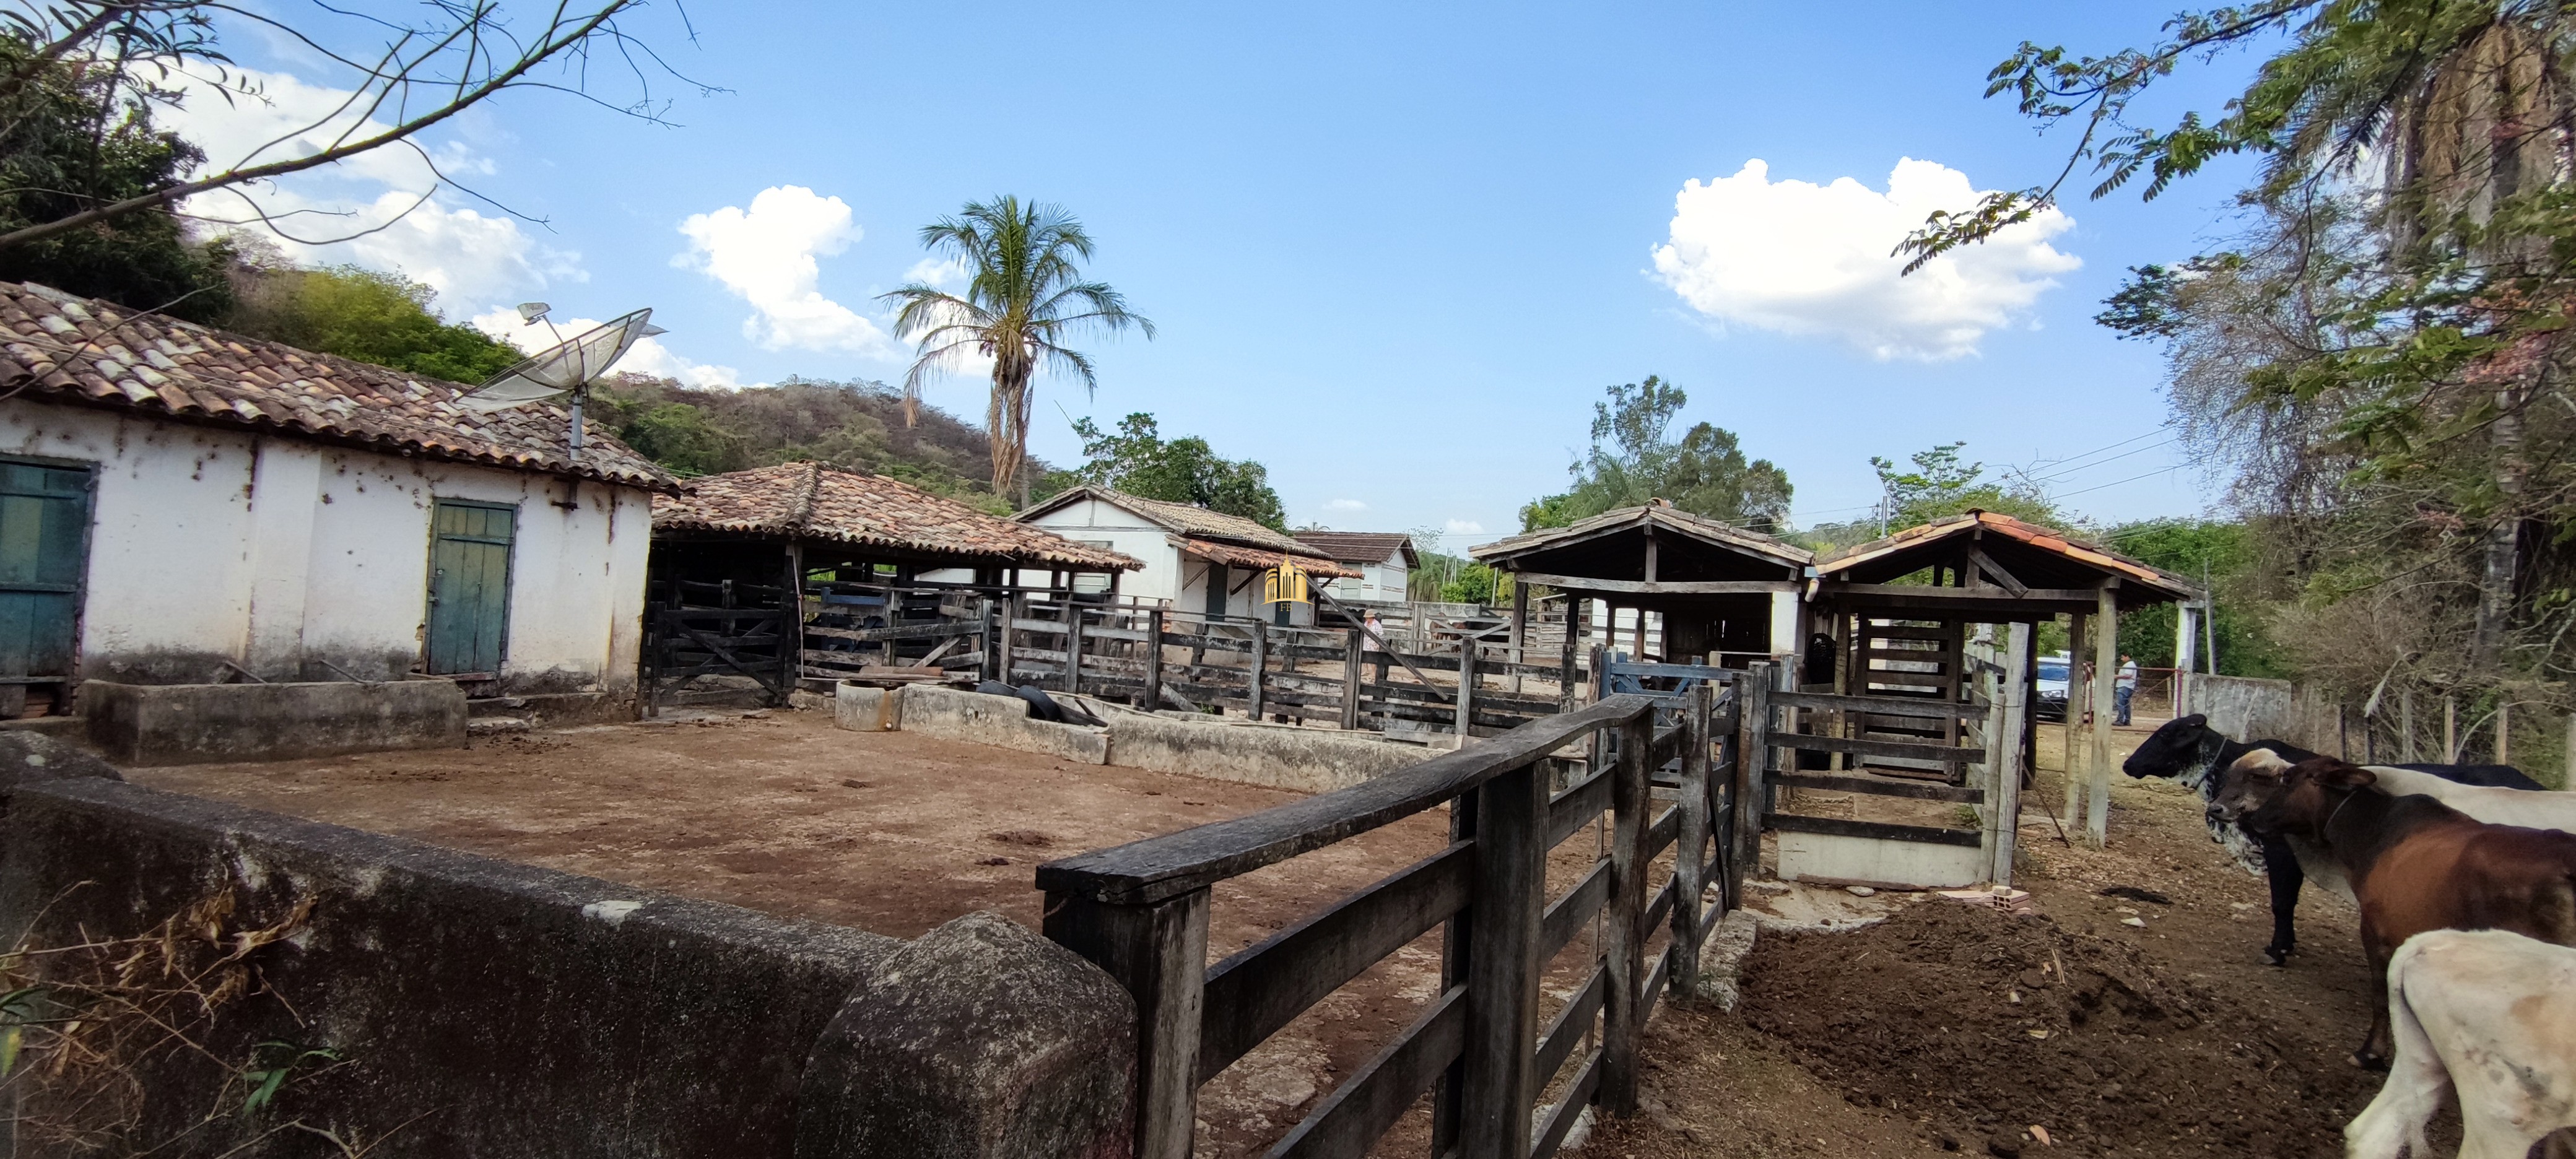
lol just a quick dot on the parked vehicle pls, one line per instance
(2049, 692)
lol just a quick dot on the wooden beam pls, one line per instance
(1987, 564)
(1671, 587)
(1962, 596)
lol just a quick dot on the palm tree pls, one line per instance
(1024, 296)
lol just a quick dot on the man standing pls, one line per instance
(2122, 689)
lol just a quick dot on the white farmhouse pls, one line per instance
(1197, 562)
(1385, 561)
(179, 505)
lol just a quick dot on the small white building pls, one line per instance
(1385, 561)
(179, 505)
(1198, 562)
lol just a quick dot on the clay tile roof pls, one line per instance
(1253, 557)
(2042, 538)
(1360, 546)
(1658, 513)
(814, 501)
(1183, 519)
(58, 347)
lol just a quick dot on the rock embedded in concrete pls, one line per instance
(979, 1040)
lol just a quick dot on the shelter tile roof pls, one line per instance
(814, 501)
(1232, 555)
(1184, 519)
(2042, 538)
(1360, 546)
(58, 347)
(1658, 513)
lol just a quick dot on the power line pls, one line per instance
(2100, 462)
(2159, 429)
(2130, 479)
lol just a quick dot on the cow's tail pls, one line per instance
(2417, 1085)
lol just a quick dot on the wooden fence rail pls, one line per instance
(1140, 911)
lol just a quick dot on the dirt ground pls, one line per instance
(1898, 1039)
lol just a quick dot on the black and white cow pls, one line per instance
(2188, 750)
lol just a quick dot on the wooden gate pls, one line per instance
(682, 644)
(1140, 911)
(1879, 820)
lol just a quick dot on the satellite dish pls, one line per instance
(568, 367)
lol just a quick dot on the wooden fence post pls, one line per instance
(1752, 759)
(1159, 952)
(1012, 612)
(1496, 1087)
(1260, 660)
(991, 645)
(1466, 688)
(1072, 646)
(1351, 679)
(1520, 630)
(1690, 863)
(1576, 608)
(2004, 751)
(1630, 800)
(1153, 660)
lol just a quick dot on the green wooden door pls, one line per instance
(469, 586)
(44, 540)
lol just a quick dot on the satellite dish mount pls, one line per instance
(569, 367)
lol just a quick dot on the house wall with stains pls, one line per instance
(290, 557)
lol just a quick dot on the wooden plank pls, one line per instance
(1838, 827)
(1666, 747)
(1466, 688)
(1690, 878)
(1260, 989)
(1153, 690)
(1872, 594)
(1752, 764)
(1904, 679)
(1565, 916)
(1571, 810)
(1502, 952)
(1159, 953)
(1914, 789)
(1904, 632)
(1174, 863)
(1351, 653)
(901, 632)
(1567, 1030)
(1879, 705)
(1254, 673)
(1629, 804)
(1665, 830)
(1578, 1095)
(1660, 587)
(1352, 1118)
(1901, 750)
(1997, 572)
(1656, 911)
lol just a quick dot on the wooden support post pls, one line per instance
(2450, 730)
(2106, 672)
(1598, 748)
(2078, 700)
(1496, 1087)
(1690, 865)
(1353, 650)
(1520, 629)
(1630, 800)
(791, 623)
(1072, 647)
(1017, 608)
(2004, 751)
(1260, 660)
(2504, 733)
(2568, 779)
(1466, 689)
(1752, 759)
(1153, 661)
(1577, 609)
(1159, 953)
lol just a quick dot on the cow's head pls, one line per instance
(2307, 796)
(2247, 785)
(2180, 747)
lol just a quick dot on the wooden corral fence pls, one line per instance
(1333, 675)
(1140, 912)
(694, 630)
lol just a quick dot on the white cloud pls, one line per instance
(1465, 527)
(766, 255)
(1344, 505)
(647, 356)
(944, 273)
(469, 256)
(1799, 258)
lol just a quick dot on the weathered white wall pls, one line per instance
(1168, 574)
(210, 545)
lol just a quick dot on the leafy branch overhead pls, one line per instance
(1633, 459)
(1137, 459)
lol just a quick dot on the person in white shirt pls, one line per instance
(1376, 633)
(2122, 688)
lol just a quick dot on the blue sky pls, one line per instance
(1394, 255)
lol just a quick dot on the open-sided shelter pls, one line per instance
(1719, 588)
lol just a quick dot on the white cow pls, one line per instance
(2528, 808)
(2488, 1014)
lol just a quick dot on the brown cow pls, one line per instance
(2415, 864)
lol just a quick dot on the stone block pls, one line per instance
(862, 709)
(1000, 721)
(980, 1040)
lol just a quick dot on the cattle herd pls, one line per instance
(2465, 877)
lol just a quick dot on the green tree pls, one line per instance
(71, 135)
(1025, 297)
(1137, 459)
(1634, 459)
(1941, 486)
(2220, 553)
(683, 438)
(371, 316)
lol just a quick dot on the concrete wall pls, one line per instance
(1304, 759)
(1168, 574)
(1000, 721)
(2247, 708)
(279, 554)
(187, 724)
(498, 1010)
